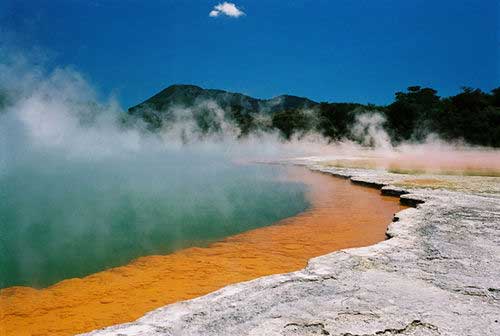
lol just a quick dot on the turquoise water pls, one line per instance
(64, 219)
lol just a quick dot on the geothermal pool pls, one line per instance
(63, 221)
(313, 214)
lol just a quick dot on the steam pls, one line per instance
(432, 155)
(59, 114)
(60, 143)
(74, 175)
(369, 130)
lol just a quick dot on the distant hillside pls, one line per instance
(160, 109)
(472, 115)
(190, 95)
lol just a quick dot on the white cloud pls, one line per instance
(226, 8)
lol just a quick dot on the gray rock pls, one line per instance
(438, 274)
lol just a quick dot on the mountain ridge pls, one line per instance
(188, 94)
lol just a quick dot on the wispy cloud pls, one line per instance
(226, 8)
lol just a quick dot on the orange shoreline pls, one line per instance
(342, 215)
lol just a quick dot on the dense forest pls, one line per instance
(472, 115)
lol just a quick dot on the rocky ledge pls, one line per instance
(437, 274)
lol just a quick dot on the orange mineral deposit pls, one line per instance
(341, 215)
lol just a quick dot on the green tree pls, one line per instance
(290, 122)
(336, 119)
(471, 116)
(412, 113)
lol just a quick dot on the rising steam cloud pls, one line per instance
(74, 176)
(63, 148)
(369, 130)
(58, 113)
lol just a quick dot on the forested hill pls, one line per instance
(472, 115)
(160, 108)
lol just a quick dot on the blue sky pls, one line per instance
(327, 50)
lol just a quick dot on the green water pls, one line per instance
(64, 219)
